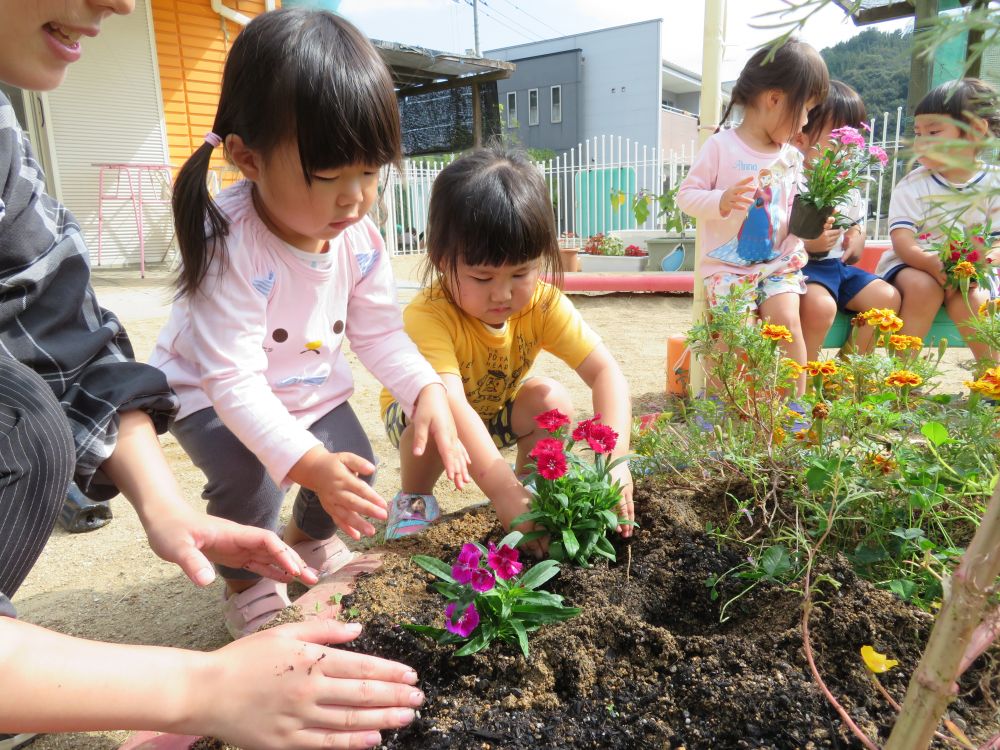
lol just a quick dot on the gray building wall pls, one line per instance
(618, 86)
(560, 69)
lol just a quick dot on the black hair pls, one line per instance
(794, 68)
(963, 100)
(490, 207)
(292, 75)
(843, 106)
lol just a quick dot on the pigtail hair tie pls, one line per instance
(212, 139)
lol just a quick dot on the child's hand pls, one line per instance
(853, 244)
(825, 242)
(303, 692)
(626, 508)
(737, 198)
(334, 477)
(933, 265)
(432, 416)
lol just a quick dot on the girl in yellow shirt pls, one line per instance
(484, 315)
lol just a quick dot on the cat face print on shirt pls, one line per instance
(297, 360)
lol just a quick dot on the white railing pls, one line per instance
(582, 180)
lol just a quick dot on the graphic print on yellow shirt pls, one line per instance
(493, 363)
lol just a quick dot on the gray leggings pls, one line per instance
(239, 488)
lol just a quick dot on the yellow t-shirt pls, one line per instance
(494, 363)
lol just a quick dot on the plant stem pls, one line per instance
(930, 688)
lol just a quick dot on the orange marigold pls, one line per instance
(901, 342)
(988, 384)
(991, 306)
(964, 270)
(826, 367)
(821, 411)
(882, 463)
(903, 379)
(886, 320)
(774, 332)
(793, 367)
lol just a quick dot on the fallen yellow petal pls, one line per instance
(875, 661)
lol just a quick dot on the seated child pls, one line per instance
(481, 321)
(950, 187)
(832, 281)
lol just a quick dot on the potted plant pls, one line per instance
(569, 252)
(675, 250)
(606, 252)
(842, 166)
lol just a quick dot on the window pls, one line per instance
(511, 109)
(556, 104)
(532, 106)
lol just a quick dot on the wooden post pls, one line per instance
(925, 13)
(709, 110)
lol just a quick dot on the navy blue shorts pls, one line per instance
(842, 281)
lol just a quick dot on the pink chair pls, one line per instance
(129, 179)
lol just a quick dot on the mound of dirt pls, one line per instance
(648, 664)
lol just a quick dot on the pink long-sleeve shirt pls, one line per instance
(261, 340)
(723, 161)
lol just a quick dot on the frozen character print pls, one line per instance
(754, 242)
(410, 513)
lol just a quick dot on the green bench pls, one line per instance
(942, 328)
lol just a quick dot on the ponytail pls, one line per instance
(725, 115)
(198, 221)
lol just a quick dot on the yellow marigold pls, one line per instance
(778, 436)
(903, 378)
(882, 463)
(988, 384)
(991, 306)
(794, 367)
(883, 318)
(774, 332)
(876, 662)
(964, 270)
(901, 342)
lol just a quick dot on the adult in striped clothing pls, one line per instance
(75, 404)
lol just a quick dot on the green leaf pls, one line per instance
(511, 540)
(538, 574)
(775, 561)
(427, 630)
(542, 614)
(570, 543)
(902, 588)
(522, 636)
(433, 566)
(817, 477)
(610, 518)
(478, 643)
(936, 432)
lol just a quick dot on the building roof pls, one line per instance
(876, 11)
(418, 70)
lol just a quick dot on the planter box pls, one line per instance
(612, 263)
(671, 253)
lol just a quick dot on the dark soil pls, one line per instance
(647, 664)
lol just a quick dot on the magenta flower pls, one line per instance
(482, 580)
(848, 136)
(467, 564)
(546, 446)
(551, 420)
(602, 439)
(465, 624)
(582, 431)
(551, 465)
(504, 561)
(879, 153)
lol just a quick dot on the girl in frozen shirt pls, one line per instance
(277, 271)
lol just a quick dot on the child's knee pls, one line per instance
(541, 394)
(817, 308)
(912, 282)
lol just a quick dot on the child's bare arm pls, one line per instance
(904, 243)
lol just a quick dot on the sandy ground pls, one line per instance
(107, 585)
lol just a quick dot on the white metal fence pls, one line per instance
(582, 181)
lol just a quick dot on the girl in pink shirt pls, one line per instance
(741, 186)
(277, 271)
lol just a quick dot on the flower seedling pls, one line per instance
(492, 597)
(964, 255)
(841, 166)
(574, 500)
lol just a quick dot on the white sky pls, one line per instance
(447, 24)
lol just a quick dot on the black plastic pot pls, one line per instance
(806, 220)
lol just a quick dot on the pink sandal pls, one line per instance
(248, 610)
(326, 556)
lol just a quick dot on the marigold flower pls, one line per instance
(901, 342)
(602, 439)
(807, 436)
(774, 332)
(876, 662)
(884, 319)
(551, 420)
(964, 270)
(903, 379)
(821, 411)
(988, 385)
(504, 561)
(778, 436)
(465, 624)
(794, 367)
(885, 464)
(826, 367)
(989, 307)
